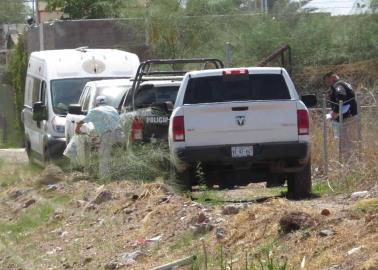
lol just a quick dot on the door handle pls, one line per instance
(72, 121)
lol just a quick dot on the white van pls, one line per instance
(114, 90)
(54, 80)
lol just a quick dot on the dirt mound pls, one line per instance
(362, 75)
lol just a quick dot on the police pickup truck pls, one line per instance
(242, 125)
(149, 104)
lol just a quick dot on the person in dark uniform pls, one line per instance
(343, 91)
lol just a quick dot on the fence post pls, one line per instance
(5, 131)
(376, 104)
(325, 139)
(359, 125)
(341, 130)
(228, 54)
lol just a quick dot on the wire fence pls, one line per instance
(327, 136)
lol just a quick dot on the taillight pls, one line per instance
(228, 72)
(178, 129)
(303, 122)
(137, 130)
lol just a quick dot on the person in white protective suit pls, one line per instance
(106, 122)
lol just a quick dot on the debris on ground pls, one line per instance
(326, 233)
(101, 197)
(52, 174)
(325, 212)
(230, 210)
(360, 194)
(296, 220)
(29, 203)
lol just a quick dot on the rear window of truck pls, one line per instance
(236, 88)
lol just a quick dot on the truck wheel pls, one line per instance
(45, 157)
(275, 180)
(181, 180)
(29, 152)
(299, 183)
(227, 179)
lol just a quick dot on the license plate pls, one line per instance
(241, 151)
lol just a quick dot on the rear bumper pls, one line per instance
(277, 157)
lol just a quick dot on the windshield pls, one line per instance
(156, 95)
(113, 94)
(67, 91)
(223, 89)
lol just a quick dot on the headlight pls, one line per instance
(58, 124)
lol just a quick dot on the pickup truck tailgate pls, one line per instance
(240, 122)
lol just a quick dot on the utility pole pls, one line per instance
(40, 23)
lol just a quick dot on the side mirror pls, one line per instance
(163, 106)
(39, 111)
(309, 100)
(75, 109)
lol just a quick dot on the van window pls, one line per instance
(113, 94)
(67, 91)
(223, 89)
(36, 90)
(83, 95)
(29, 90)
(43, 93)
(87, 97)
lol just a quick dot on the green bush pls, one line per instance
(17, 73)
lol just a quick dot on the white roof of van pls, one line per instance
(81, 63)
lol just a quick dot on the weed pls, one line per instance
(320, 189)
(367, 205)
(208, 196)
(261, 259)
(28, 221)
(12, 173)
(184, 241)
(32, 218)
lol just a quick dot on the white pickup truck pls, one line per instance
(241, 125)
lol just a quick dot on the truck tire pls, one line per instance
(181, 181)
(275, 180)
(299, 183)
(227, 179)
(29, 152)
(46, 157)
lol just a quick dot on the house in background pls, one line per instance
(338, 7)
(45, 15)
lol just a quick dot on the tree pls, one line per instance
(86, 9)
(12, 11)
(374, 5)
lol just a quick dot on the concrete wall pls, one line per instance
(126, 34)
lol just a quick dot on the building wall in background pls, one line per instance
(126, 34)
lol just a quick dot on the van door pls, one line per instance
(34, 127)
(43, 125)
